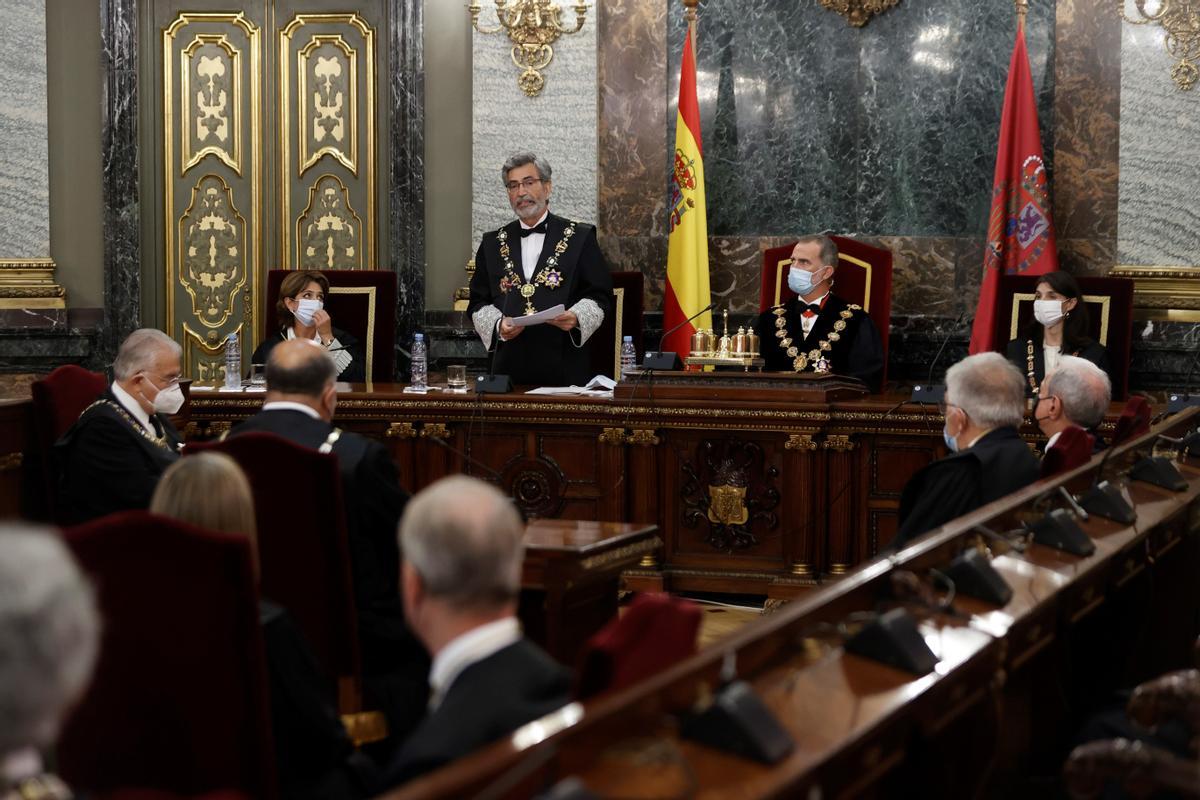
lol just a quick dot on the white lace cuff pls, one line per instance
(485, 319)
(590, 317)
(341, 358)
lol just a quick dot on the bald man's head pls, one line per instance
(300, 371)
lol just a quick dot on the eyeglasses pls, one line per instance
(169, 381)
(943, 405)
(528, 183)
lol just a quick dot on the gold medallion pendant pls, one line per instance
(527, 290)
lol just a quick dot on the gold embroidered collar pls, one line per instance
(548, 276)
(160, 441)
(816, 357)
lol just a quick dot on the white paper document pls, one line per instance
(539, 317)
(599, 386)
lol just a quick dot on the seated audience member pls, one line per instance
(1076, 393)
(313, 753)
(49, 640)
(463, 550)
(112, 457)
(984, 407)
(1059, 328)
(299, 407)
(300, 312)
(817, 331)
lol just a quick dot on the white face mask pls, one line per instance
(168, 401)
(1047, 312)
(305, 310)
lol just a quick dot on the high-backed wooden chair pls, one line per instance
(1110, 311)
(58, 400)
(179, 700)
(863, 276)
(624, 320)
(304, 555)
(362, 303)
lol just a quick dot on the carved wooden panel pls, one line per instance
(212, 181)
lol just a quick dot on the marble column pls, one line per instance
(559, 124)
(407, 184)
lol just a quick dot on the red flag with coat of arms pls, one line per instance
(1020, 236)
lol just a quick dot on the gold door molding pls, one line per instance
(212, 193)
(326, 69)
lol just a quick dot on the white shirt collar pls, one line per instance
(291, 334)
(20, 765)
(466, 649)
(541, 219)
(1050, 442)
(288, 405)
(818, 301)
(131, 405)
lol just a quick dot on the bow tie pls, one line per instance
(539, 228)
(811, 309)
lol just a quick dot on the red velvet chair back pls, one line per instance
(624, 320)
(1134, 420)
(655, 631)
(58, 400)
(863, 276)
(302, 545)
(179, 700)
(1073, 448)
(1110, 312)
(360, 302)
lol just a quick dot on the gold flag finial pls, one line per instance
(690, 5)
(1022, 7)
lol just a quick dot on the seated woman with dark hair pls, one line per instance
(1059, 327)
(300, 312)
(313, 753)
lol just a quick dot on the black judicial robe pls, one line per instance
(108, 462)
(356, 370)
(997, 465)
(856, 350)
(542, 354)
(374, 502)
(488, 700)
(1018, 353)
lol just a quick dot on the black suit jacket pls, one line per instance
(374, 502)
(1018, 353)
(488, 700)
(542, 354)
(998, 464)
(356, 370)
(107, 462)
(858, 351)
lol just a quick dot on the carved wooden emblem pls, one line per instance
(857, 12)
(729, 488)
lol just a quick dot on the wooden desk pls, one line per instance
(571, 576)
(756, 488)
(1005, 698)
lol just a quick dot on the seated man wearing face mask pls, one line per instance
(301, 314)
(818, 332)
(984, 406)
(112, 457)
(1059, 328)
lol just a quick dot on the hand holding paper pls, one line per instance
(538, 318)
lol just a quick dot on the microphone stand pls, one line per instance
(661, 361)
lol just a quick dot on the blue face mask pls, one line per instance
(951, 443)
(800, 281)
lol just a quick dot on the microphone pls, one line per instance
(670, 360)
(1105, 499)
(1178, 402)
(493, 383)
(932, 392)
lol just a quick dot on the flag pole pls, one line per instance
(690, 5)
(1022, 7)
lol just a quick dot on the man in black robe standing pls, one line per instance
(984, 407)
(533, 263)
(817, 331)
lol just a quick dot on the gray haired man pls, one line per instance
(463, 548)
(983, 408)
(112, 457)
(534, 263)
(1076, 393)
(49, 638)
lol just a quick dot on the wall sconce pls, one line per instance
(1180, 19)
(533, 26)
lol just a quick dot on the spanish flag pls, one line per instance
(687, 247)
(1020, 236)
